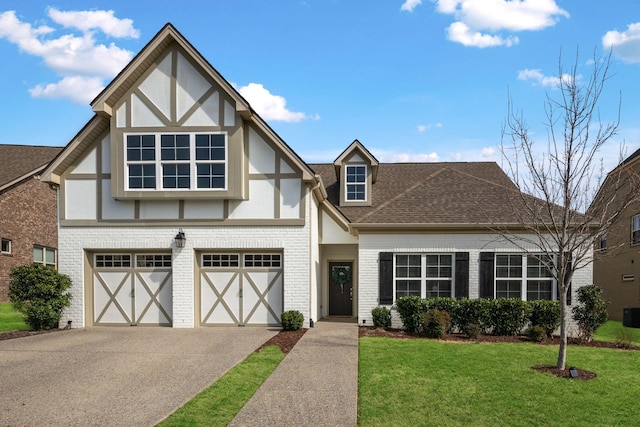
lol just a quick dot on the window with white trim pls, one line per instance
(423, 275)
(112, 260)
(263, 260)
(356, 183)
(44, 255)
(635, 229)
(220, 260)
(153, 260)
(6, 246)
(182, 161)
(524, 277)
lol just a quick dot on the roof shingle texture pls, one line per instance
(19, 160)
(431, 193)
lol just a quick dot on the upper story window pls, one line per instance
(176, 161)
(523, 276)
(356, 185)
(6, 246)
(602, 243)
(635, 229)
(43, 255)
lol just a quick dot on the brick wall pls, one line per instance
(294, 241)
(28, 217)
(371, 245)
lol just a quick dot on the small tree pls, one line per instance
(558, 211)
(592, 311)
(39, 293)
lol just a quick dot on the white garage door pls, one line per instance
(240, 288)
(132, 289)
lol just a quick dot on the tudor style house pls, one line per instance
(28, 220)
(180, 206)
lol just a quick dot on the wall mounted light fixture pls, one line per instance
(180, 239)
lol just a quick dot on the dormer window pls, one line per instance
(356, 185)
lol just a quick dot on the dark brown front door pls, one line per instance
(340, 288)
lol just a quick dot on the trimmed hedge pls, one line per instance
(291, 320)
(381, 317)
(470, 316)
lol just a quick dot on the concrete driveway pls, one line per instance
(114, 376)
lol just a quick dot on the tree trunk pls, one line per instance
(562, 351)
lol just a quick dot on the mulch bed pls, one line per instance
(20, 334)
(286, 340)
(461, 338)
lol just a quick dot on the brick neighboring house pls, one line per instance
(28, 213)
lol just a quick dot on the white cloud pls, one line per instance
(77, 88)
(429, 126)
(538, 78)
(103, 20)
(80, 60)
(479, 22)
(489, 152)
(269, 106)
(409, 5)
(625, 44)
(389, 156)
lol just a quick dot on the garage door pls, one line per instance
(240, 288)
(132, 289)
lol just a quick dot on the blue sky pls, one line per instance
(412, 80)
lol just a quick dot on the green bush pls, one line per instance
(591, 313)
(536, 333)
(292, 320)
(434, 323)
(381, 317)
(472, 311)
(443, 304)
(509, 316)
(40, 294)
(472, 330)
(409, 310)
(546, 314)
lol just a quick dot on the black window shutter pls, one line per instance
(385, 278)
(486, 274)
(462, 275)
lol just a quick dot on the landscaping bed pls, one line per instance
(19, 334)
(286, 340)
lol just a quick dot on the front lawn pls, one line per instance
(424, 382)
(11, 319)
(613, 331)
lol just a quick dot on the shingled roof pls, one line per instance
(20, 161)
(430, 194)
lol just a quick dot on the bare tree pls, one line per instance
(558, 185)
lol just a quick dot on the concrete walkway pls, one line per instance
(315, 385)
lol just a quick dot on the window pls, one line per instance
(635, 229)
(602, 244)
(220, 260)
(153, 260)
(112, 261)
(356, 185)
(46, 256)
(182, 161)
(262, 260)
(423, 275)
(515, 271)
(6, 246)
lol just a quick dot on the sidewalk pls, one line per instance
(315, 385)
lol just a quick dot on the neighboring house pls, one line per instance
(180, 206)
(616, 266)
(28, 220)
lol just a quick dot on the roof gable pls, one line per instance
(360, 152)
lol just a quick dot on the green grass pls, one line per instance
(11, 319)
(219, 404)
(611, 330)
(424, 382)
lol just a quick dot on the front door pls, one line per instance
(340, 288)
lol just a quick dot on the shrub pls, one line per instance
(292, 320)
(40, 294)
(409, 310)
(545, 314)
(443, 304)
(472, 330)
(624, 338)
(591, 312)
(381, 317)
(508, 315)
(472, 311)
(435, 323)
(536, 333)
